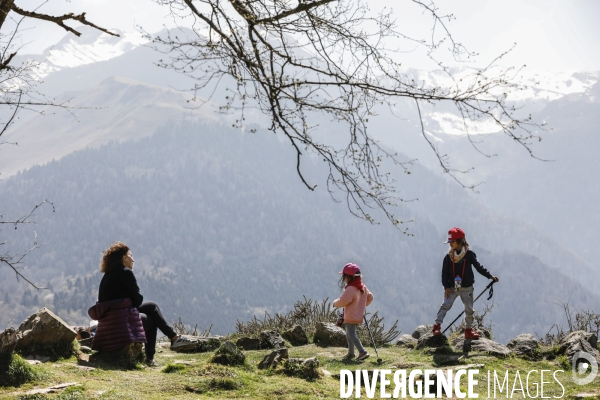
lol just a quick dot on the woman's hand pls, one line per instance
(447, 292)
(495, 278)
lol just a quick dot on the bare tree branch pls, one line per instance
(60, 20)
(298, 61)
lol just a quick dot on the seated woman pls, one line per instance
(120, 312)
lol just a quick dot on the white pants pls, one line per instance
(466, 295)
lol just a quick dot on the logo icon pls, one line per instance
(581, 363)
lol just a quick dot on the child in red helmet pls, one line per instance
(458, 280)
(355, 299)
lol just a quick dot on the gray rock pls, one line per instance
(407, 341)
(85, 349)
(429, 340)
(8, 340)
(43, 328)
(271, 340)
(228, 354)
(200, 344)
(311, 363)
(523, 345)
(247, 343)
(484, 345)
(421, 330)
(273, 359)
(577, 336)
(296, 336)
(328, 334)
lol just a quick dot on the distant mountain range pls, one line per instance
(222, 228)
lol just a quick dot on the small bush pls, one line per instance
(307, 313)
(564, 362)
(298, 368)
(15, 371)
(170, 368)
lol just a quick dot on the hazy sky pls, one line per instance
(550, 34)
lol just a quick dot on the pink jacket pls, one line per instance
(354, 303)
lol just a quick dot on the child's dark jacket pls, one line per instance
(468, 279)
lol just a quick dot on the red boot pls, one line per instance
(437, 330)
(471, 334)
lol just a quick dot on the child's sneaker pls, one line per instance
(182, 342)
(437, 330)
(470, 334)
(348, 357)
(362, 356)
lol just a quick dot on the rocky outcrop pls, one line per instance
(483, 345)
(247, 343)
(328, 334)
(407, 341)
(271, 340)
(41, 331)
(273, 359)
(429, 340)
(421, 330)
(296, 336)
(580, 341)
(523, 345)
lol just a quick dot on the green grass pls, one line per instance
(193, 376)
(170, 368)
(14, 371)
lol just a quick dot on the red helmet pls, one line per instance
(454, 234)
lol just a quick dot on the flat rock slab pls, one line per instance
(52, 389)
(586, 395)
(483, 345)
(468, 366)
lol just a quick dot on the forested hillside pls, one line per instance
(222, 228)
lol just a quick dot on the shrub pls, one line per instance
(307, 313)
(15, 371)
(306, 369)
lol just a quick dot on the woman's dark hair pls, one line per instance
(342, 283)
(113, 256)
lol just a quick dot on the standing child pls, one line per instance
(355, 299)
(458, 280)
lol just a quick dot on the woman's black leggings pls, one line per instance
(152, 319)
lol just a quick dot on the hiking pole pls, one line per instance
(491, 289)
(379, 361)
